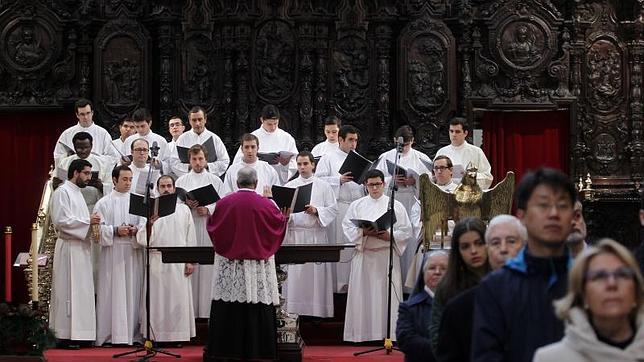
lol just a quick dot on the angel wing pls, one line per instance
(437, 206)
(498, 200)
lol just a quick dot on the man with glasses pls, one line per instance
(443, 171)
(140, 167)
(143, 121)
(366, 316)
(102, 139)
(513, 306)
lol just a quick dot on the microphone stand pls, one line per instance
(388, 345)
(148, 346)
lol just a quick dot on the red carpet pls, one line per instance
(193, 354)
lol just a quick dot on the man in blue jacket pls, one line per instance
(414, 315)
(514, 314)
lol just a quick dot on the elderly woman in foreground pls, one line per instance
(602, 310)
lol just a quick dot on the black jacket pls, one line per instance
(455, 333)
(412, 328)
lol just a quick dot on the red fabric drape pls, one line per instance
(27, 143)
(522, 141)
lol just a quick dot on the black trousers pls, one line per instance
(241, 332)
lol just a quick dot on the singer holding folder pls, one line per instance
(196, 178)
(367, 297)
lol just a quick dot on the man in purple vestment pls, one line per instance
(246, 230)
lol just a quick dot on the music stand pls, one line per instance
(148, 345)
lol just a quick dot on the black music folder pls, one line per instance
(380, 224)
(163, 205)
(205, 195)
(209, 145)
(357, 165)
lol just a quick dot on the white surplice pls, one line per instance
(277, 141)
(266, 176)
(327, 170)
(72, 314)
(463, 155)
(138, 172)
(366, 316)
(203, 274)
(172, 316)
(101, 142)
(120, 277)
(323, 148)
(309, 287)
(191, 138)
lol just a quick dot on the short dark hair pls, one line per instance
(249, 137)
(116, 172)
(83, 102)
(196, 109)
(373, 173)
(455, 121)
(174, 116)
(82, 136)
(77, 165)
(306, 154)
(555, 179)
(142, 115)
(195, 149)
(346, 129)
(269, 112)
(405, 132)
(165, 176)
(330, 120)
(443, 157)
(125, 119)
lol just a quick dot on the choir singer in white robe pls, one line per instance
(332, 126)
(172, 317)
(199, 134)
(346, 191)
(266, 175)
(309, 287)
(140, 168)
(274, 139)
(196, 178)
(366, 316)
(120, 274)
(72, 315)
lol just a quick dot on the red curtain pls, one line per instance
(522, 141)
(27, 143)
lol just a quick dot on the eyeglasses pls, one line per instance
(141, 150)
(441, 168)
(374, 185)
(620, 274)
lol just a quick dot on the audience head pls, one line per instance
(505, 237)
(545, 200)
(605, 281)
(468, 259)
(434, 268)
(578, 234)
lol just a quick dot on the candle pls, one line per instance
(34, 262)
(7, 263)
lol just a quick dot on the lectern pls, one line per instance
(289, 341)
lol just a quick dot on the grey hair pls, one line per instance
(247, 178)
(433, 253)
(507, 219)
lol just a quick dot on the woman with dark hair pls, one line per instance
(468, 263)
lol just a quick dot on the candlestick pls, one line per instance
(7, 263)
(34, 262)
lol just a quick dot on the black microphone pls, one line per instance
(400, 143)
(155, 149)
